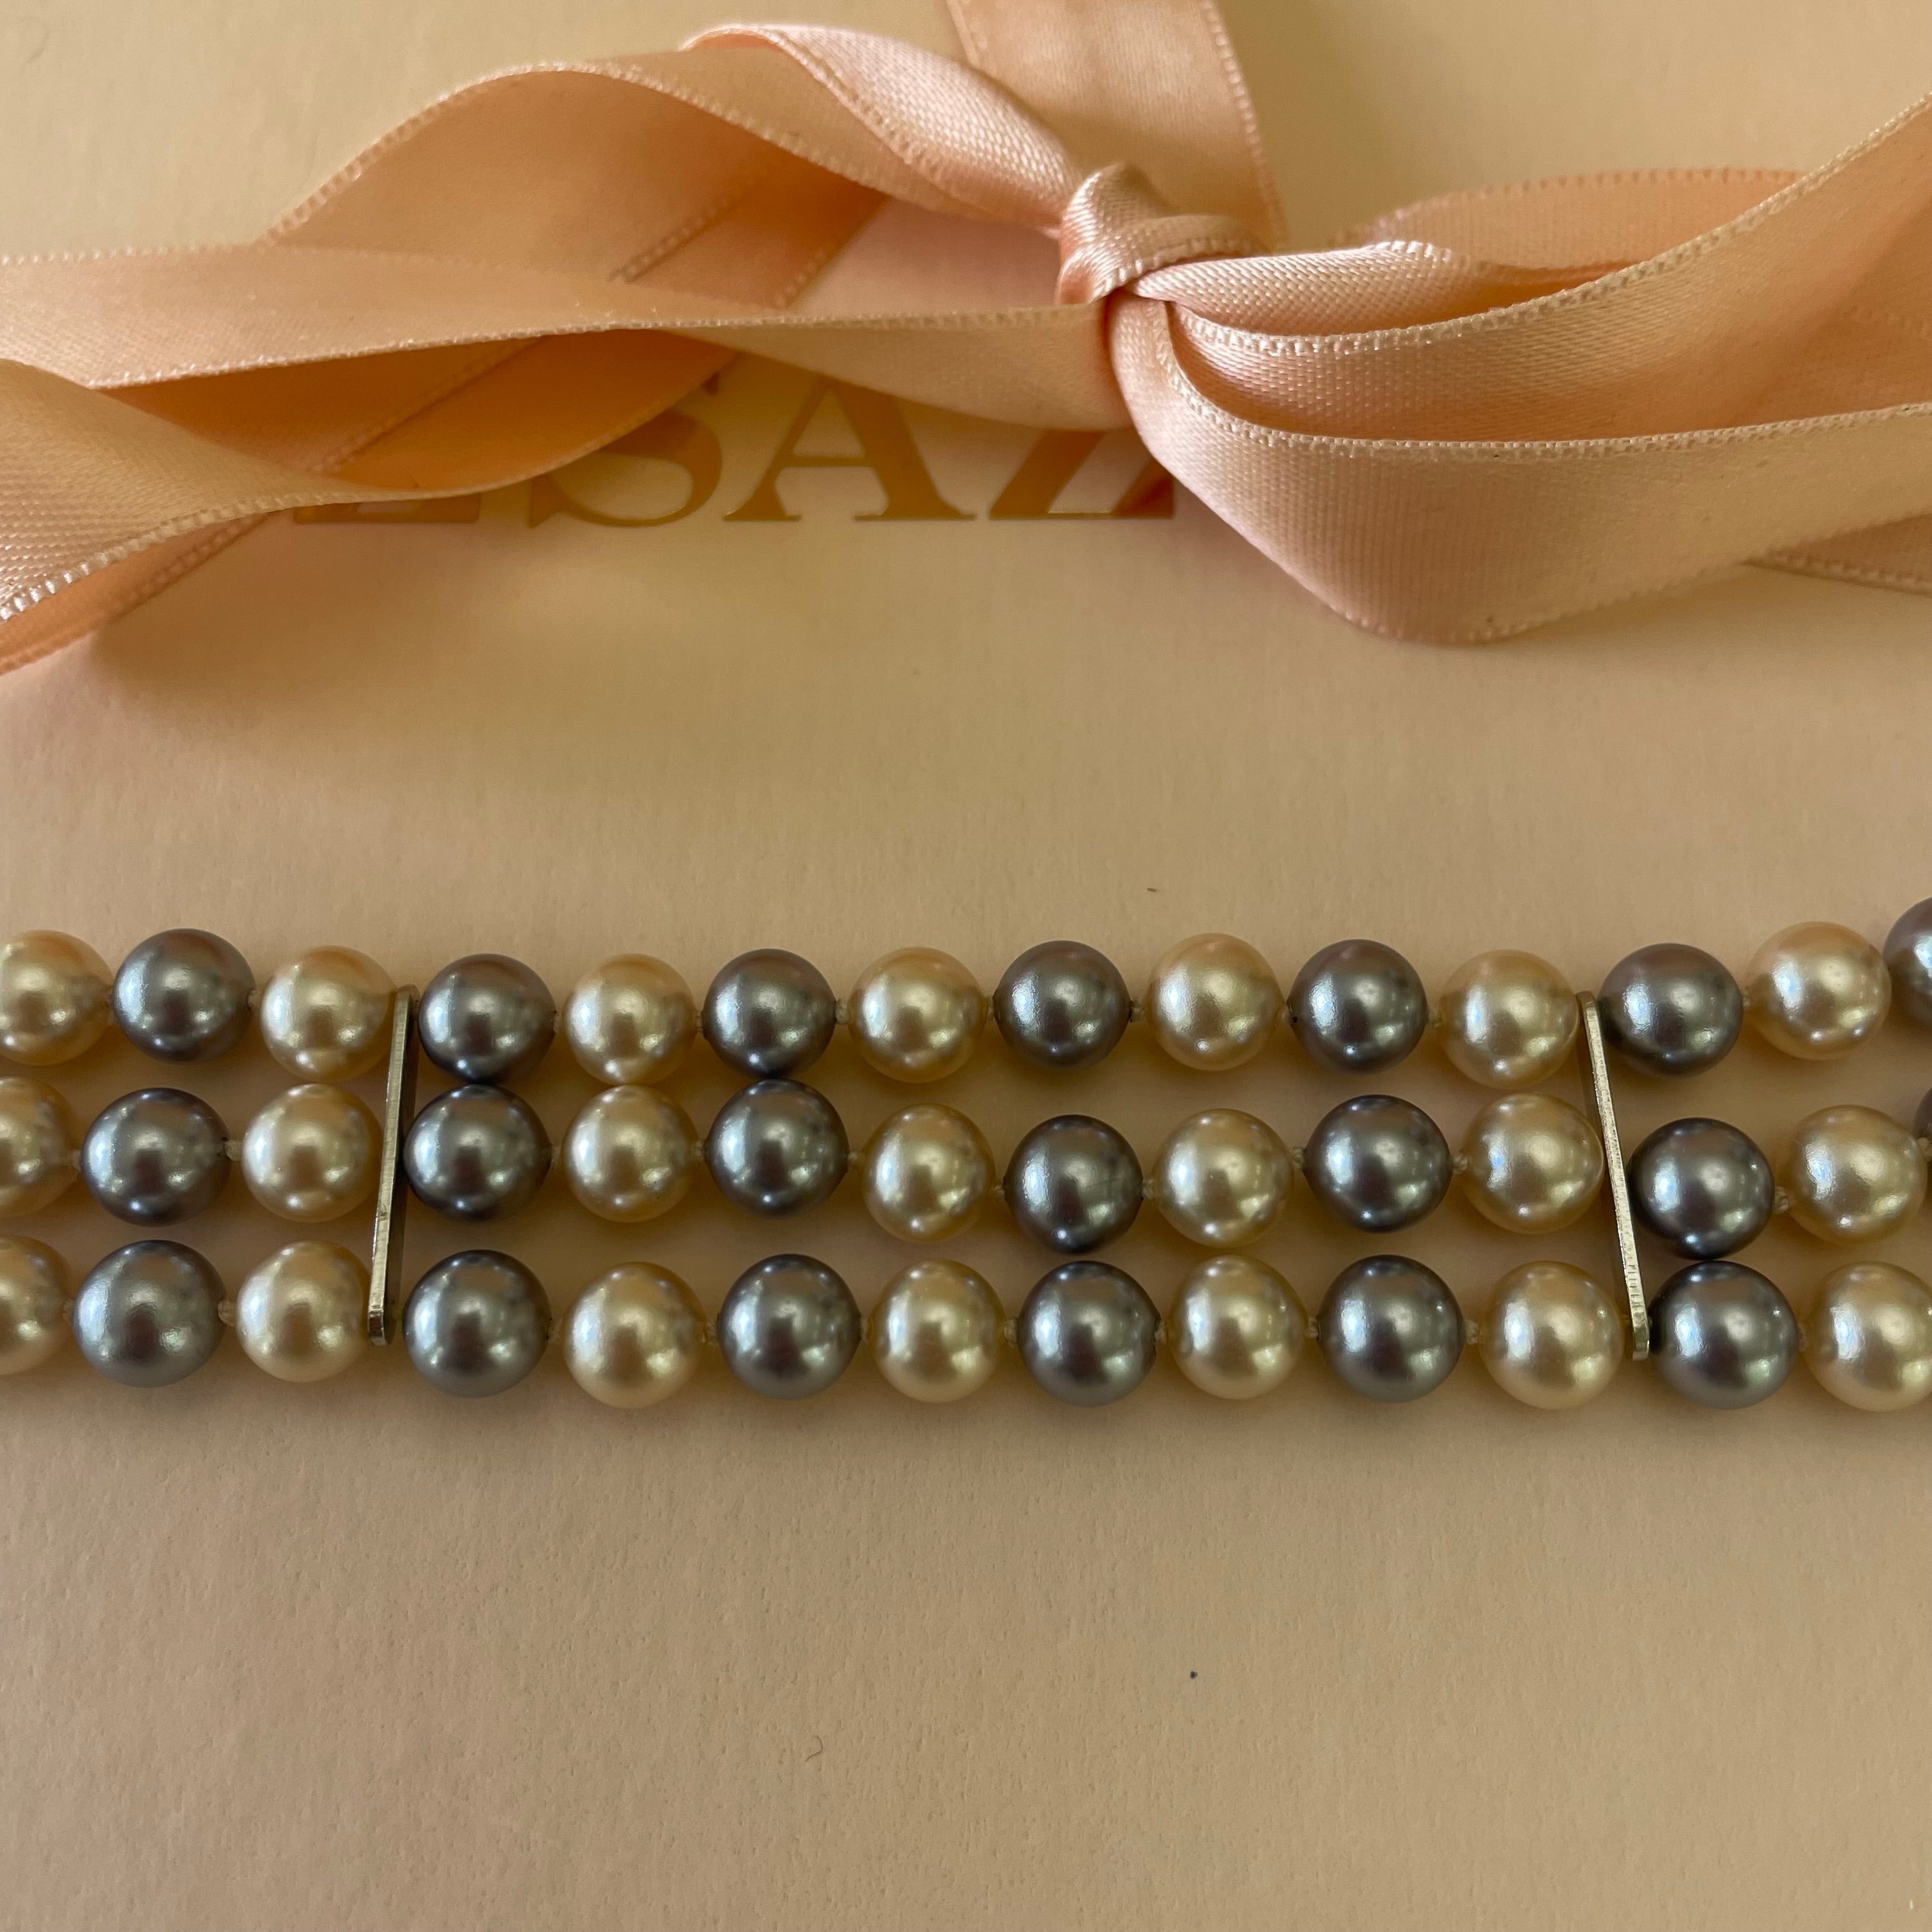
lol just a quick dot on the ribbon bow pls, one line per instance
(1480, 413)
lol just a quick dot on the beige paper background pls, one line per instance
(359, 1655)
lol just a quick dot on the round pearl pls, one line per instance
(927, 1173)
(777, 1147)
(38, 1133)
(33, 1297)
(769, 1014)
(311, 1154)
(1222, 1178)
(1073, 1184)
(55, 1001)
(1357, 1006)
(1212, 1002)
(476, 1154)
(1815, 991)
(1671, 1009)
(1063, 1005)
(1087, 1333)
(1551, 1335)
(1532, 1163)
(149, 1314)
(1702, 1187)
(1852, 1173)
(790, 1327)
(630, 1154)
(1378, 1163)
(634, 1337)
(630, 1021)
(325, 1014)
(476, 1324)
(1508, 1019)
(301, 1314)
(1722, 1335)
(1869, 1340)
(915, 1015)
(1390, 1328)
(1237, 1328)
(486, 1017)
(1908, 959)
(183, 995)
(156, 1157)
(936, 1332)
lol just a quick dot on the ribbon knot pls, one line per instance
(1477, 415)
(1116, 228)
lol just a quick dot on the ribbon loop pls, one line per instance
(1116, 228)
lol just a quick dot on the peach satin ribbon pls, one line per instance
(1481, 413)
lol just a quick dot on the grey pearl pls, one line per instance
(486, 1017)
(1390, 1327)
(1378, 1163)
(156, 1157)
(1671, 1009)
(1087, 1333)
(476, 1324)
(789, 1328)
(1063, 1005)
(1908, 959)
(183, 995)
(1702, 1187)
(476, 1153)
(770, 1013)
(1074, 1184)
(1723, 1335)
(777, 1147)
(149, 1314)
(1358, 1006)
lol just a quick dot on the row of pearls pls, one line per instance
(478, 1323)
(1507, 1018)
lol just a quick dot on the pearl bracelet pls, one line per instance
(479, 1321)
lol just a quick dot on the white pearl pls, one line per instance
(915, 1014)
(311, 1154)
(33, 1299)
(1551, 1335)
(1222, 1178)
(1532, 1163)
(1851, 1174)
(630, 1021)
(54, 998)
(38, 1142)
(1815, 990)
(927, 1173)
(1507, 1018)
(302, 1314)
(325, 1014)
(634, 1337)
(630, 1154)
(936, 1331)
(1237, 1328)
(1869, 1339)
(1213, 1001)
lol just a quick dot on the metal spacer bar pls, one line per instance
(1603, 1106)
(392, 1193)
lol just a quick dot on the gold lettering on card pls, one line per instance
(1053, 462)
(673, 438)
(885, 448)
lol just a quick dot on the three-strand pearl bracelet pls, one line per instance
(477, 1322)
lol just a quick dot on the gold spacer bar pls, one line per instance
(1603, 1105)
(392, 1193)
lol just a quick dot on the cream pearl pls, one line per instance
(325, 1014)
(1851, 1174)
(311, 1154)
(1213, 1001)
(1869, 1339)
(302, 1314)
(630, 1021)
(1236, 1327)
(54, 998)
(1815, 991)
(1222, 1178)
(1507, 1018)
(630, 1154)
(936, 1331)
(33, 1299)
(1532, 1163)
(634, 1337)
(915, 1014)
(927, 1173)
(1551, 1335)
(38, 1141)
